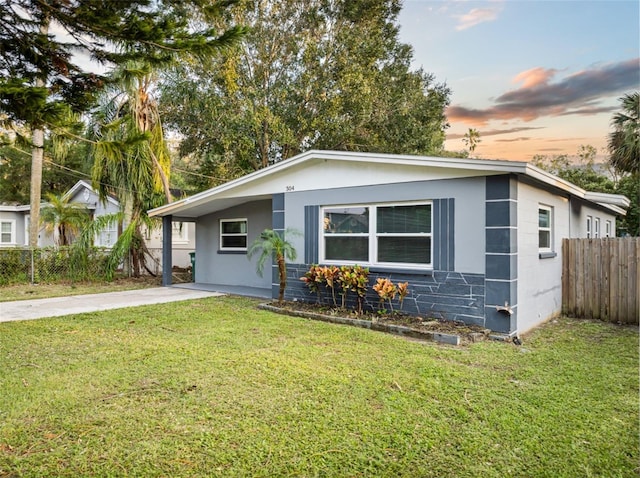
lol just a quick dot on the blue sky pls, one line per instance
(533, 77)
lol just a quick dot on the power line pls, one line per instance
(84, 175)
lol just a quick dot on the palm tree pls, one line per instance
(131, 159)
(471, 139)
(64, 218)
(624, 141)
(270, 244)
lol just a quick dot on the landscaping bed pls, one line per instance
(398, 323)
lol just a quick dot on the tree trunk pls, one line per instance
(37, 156)
(128, 218)
(282, 271)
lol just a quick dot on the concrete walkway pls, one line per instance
(79, 304)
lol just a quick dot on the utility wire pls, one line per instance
(82, 174)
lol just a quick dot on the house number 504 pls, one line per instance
(290, 188)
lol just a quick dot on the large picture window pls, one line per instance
(233, 234)
(381, 234)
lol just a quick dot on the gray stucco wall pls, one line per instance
(540, 277)
(540, 282)
(456, 293)
(213, 267)
(468, 195)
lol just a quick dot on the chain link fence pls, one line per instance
(64, 264)
(49, 264)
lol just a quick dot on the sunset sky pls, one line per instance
(533, 77)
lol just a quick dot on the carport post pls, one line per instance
(167, 264)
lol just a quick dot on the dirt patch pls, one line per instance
(396, 322)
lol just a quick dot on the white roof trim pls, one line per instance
(82, 183)
(488, 165)
(605, 198)
(20, 208)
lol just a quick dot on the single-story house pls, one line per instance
(14, 224)
(477, 240)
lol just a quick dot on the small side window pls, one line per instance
(589, 221)
(596, 228)
(7, 232)
(233, 234)
(545, 228)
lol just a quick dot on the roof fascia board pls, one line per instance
(453, 163)
(83, 183)
(618, 210)
(19, 208)
(76, 187)
(606, 198)
(488, 165)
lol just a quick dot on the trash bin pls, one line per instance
(192, 255)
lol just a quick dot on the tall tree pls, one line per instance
(624, 146)
(131, 160)
(624, 141)
(65, 161)
(328, 74)
(40, 78)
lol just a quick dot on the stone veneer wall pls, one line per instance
(439, 295)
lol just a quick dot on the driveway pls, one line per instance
(79, 304)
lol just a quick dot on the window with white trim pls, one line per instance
(108, 236)
(233, 234)
(378, 234)
(589, 227)
(607, 229)
(545, 228)
(7, 232)
(596, 228)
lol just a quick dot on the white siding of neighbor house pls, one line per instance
(21, 233)
(17, 223)
(181, 245)
(540, 279)
(232, 268)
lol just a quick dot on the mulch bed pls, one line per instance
(399, 323)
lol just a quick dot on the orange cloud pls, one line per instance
(534, 77)
(581, 93)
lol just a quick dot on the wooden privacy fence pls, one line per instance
(600, 279)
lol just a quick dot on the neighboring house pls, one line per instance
(14, 224)
(477, 240)
(83, 193)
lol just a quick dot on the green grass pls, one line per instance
(216, 387)
(43, 291)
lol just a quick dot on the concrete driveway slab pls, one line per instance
(79, 304)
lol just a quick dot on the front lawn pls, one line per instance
(60, 289)
(216, 387)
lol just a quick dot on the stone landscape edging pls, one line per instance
(449, 339)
